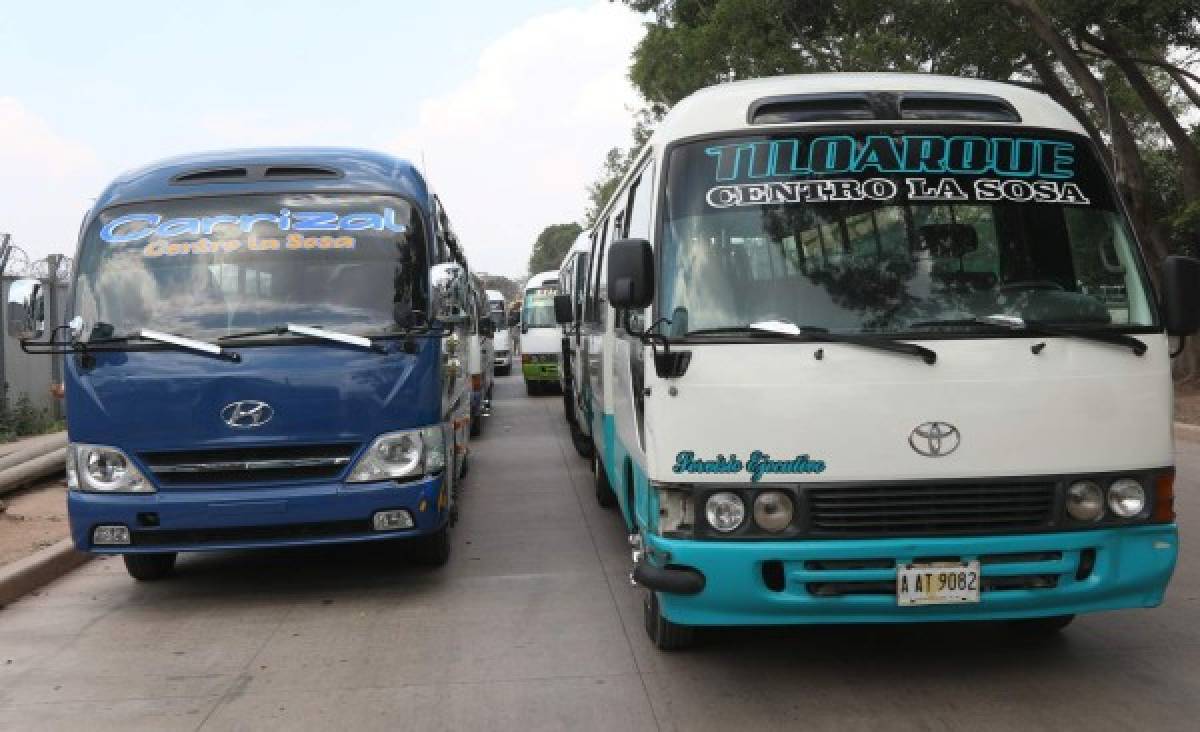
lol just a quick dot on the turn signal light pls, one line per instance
(1164, 499)
(526, 358)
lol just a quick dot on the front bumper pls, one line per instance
(1132, 566)
(259, 517)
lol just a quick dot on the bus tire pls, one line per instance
(1042, 626)
(432, 550)
(665, 635)
(604, 492)
(531, 388)
(150, 567)
(477, 425)
(582, 443)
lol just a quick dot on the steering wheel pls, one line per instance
(1031, 285)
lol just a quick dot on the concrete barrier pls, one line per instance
(26, 575)
(32, 470)
(18, 452)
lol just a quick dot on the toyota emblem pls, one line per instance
(934, 439)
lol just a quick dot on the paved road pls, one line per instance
(534, 626)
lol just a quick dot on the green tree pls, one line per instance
(552, 245)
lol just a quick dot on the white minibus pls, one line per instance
(877, 348)
(540, 342)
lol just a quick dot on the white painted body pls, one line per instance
(1078, 406)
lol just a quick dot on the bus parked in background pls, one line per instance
(264, 349)
(572, 277)
(540, 343)
(480, 359)
(502, 339)
(881, 348)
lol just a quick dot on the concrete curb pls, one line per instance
(26, 575)
(1189, 432)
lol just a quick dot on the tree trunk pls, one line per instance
(1059, 92)
(1189, 156)
(1185, 86)
(1130, 173)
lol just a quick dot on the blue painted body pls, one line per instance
(1133, 566)
(164, 400)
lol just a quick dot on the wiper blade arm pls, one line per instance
(813, 333)
(1013, 322)
(332, 335)
(187, 344)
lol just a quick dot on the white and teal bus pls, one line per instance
(572, 285)
(540, 343)
(881, 348)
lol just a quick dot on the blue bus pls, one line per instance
(265, 348)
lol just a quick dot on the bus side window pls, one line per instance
(595, 314)
(637, 224)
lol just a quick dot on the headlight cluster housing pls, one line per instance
(402, 455)
(1098, 501)
(686, 511)
(103, 469)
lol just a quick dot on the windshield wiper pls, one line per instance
(188, 344)
(1036, 327)
(310, 331)
(814, 333)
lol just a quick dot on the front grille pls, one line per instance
(264, 464)
(232, 534)
(930, 508)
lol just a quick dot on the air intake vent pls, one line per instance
(299, 171)
(811, 108)
(213, 175)
(972, 107)
(256, 173)
(848, 106)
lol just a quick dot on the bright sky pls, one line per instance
(511, 104)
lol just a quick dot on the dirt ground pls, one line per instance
(32, 519)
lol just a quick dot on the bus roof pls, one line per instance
(542, 279)
(726, 107)
(268, 170)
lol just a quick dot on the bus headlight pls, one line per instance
(725, 511)
(403, 454)
(101, 469)
(1085, 501)
(1126, 497)
(773, 511)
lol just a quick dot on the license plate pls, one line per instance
(937, 583)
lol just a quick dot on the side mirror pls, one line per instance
(26, 309)
(1181, 295)
(563, 312)
(487, 328)
(630, 274)
(448, 285)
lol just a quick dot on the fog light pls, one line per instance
(725, 511)
(1085, 501)
(111, 535)
(1126, 497)
(392, 520)
(773, 511)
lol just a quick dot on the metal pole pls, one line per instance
(53, 320)
(5, 251)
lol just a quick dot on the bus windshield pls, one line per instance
(884, 232)
(538, 311)
(207, 267)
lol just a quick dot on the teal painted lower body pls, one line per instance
(1132, 568)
